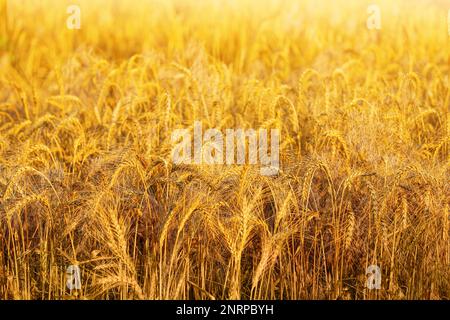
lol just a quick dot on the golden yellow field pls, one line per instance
(87, 177)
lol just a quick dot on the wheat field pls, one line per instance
(87, 179)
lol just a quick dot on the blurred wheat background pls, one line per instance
(86, 176)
